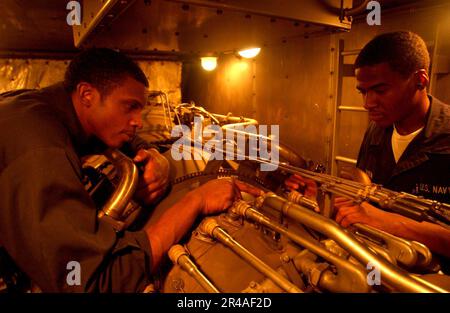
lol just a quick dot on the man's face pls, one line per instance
(387, 95)
(115, 118)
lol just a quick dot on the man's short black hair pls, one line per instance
(103, 68)
(404, 51)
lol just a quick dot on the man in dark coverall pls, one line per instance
(407, 145)
(47, 219)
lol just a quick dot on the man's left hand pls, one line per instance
(348, 213)
(155, 179)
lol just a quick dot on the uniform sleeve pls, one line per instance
(361, 163)
(47, 220)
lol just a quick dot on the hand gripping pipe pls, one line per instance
(403, 203)
(113, 210)
(390, 275)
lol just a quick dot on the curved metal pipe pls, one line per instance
(234, 121)
(391, 275)
(424, 254)
(211, 228)
(359, 9)
(357, 283)
(180, 256)
(128, 173)
(284, 151)
(400, 248)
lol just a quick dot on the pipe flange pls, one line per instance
(175, 252)
(207, 226)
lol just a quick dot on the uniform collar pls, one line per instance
(438, 122)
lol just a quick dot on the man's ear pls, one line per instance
(86, 93)
(421, 79)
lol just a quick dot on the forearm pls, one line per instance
(171, 226)
(435, 237)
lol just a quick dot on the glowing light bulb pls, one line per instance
(249, 53)
(209, 63)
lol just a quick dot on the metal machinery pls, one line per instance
(274, 240)
(271, 240)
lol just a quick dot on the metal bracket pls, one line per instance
(97, 15)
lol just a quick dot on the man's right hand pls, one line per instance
(215, 196)
(295, 182)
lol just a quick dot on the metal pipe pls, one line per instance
(211, 228)
(424, 254)
(284, 151)
(298, 198)
(392, 276)
(357, 274)
(180, 256)
(401, 249)
(398, 202)
(95, 21)
(128, 173)
(359, 9)
(351, 108)
(234, 121)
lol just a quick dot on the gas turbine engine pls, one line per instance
(274, 240)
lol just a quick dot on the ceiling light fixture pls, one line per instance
(249, 53)
(209, 63)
